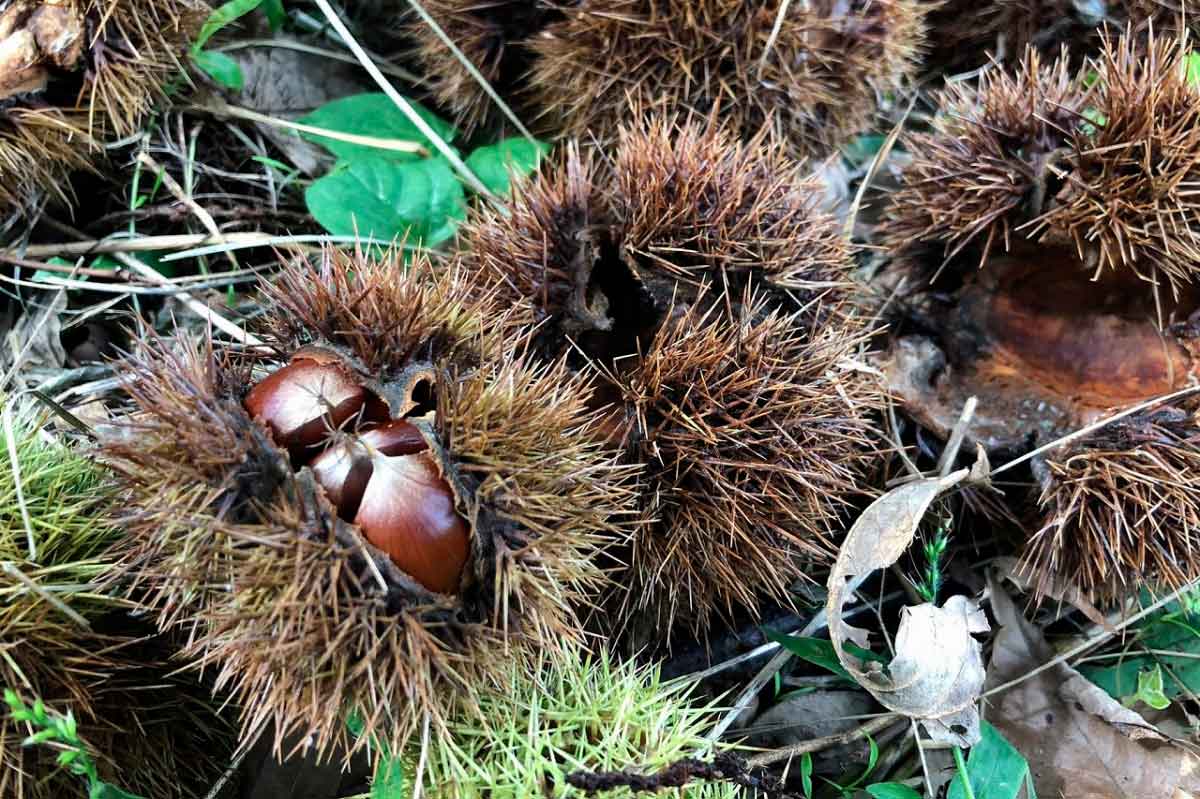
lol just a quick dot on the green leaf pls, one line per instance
(276, 16)
(820, 652)
(863, 148)
(1193, 68)
(996, 769)
(806, 770)
(382, 199)
(1172, 631)
(222, 16)
(891, 790)
(103, 790)
(389, 780)
(221, 68)
(497, 163)
(372, 115)
(1149, 690)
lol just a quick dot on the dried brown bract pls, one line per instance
(755, 436)
(233, 540)
(1048, 241)
(74, 73)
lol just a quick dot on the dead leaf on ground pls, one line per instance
(937, 674)
(1080, 743)
(36, 339)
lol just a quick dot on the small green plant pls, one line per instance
(930, 584)
(59, 732)
(217, 65)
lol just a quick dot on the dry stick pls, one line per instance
(10, 441)
(177, 191)
(876, 163)
(11, 569)
(175, 242)
(775, 29)
(471, 68)
(200, 309)
(219, 107)
(404, 105)
(817, 744)
(1083, 431)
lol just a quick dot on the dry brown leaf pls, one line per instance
(937, 673)
(1009, 568)
(36, 340)
(1080, 743)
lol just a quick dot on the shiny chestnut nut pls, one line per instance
(387, 482)
(314, 394)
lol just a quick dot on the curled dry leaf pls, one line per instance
(937, 673)
(1080, 742)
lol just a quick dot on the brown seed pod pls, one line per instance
(814, 88)
(603, 258)
(1119, 506)
(702, 280)
(580, 69)
(755, 438)
(964, 35)
(493, 35)
(1049, 246)
(75, 73)
(238, 544)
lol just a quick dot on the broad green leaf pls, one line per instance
(389, 780)
(996, 769)
(891, 790)
(495, 164)
(377, 116)
(222, 16)
(221, 68)
(806, 770)
(383, 199)
(863, 148)
(1193, 68)
(276, 16)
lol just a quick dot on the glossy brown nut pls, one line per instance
(387, 482)
(304, 401)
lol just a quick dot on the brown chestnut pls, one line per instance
(387, 482)
(308, 398)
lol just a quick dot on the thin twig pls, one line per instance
(107, 246)
(10, 440)
(11, 569)
(221, 108)
(817, 744)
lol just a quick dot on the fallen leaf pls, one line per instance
(1009, 568)
(937, 673)
(1061, 727)
(36, 340)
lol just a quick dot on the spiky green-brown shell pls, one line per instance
(69, 643)
(569, 713)
(756, 434)
(1119, 508)
(75, 74)
(232, 544)
(582, 70)
(602, 256)
(811, 80)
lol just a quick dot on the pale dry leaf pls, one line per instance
(937, 674)
(1009, 568)
(36, 340)
(1061, 729)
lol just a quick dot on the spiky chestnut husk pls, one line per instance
(603, 257)
(494, 36)
(1120, 507)
(75, 649)
(75, 73)
(814, 90)
(755, 436)
(965, 35)
(228, 541)
(1050, 246)
(571, 712)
